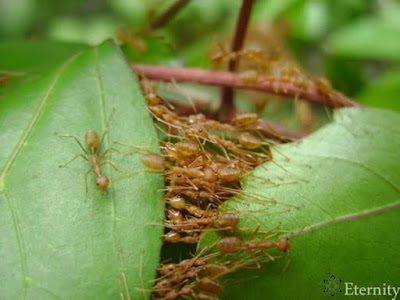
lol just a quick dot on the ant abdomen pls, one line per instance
(245, 119)
(230, 244)
(187, 148)
(153, 161)
(206, 296)
(227, 220)
(249, 141)
(209, 285)
(195, 211)
(229, 173)
(283, 244)
(92, 139)
(177, 202)
(214, 270)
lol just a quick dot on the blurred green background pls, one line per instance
(354, 43)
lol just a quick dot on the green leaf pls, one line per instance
(368, 38)
(384, 92)
(52, 244)
(23, 56)
(338, 199)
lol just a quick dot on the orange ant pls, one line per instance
(249, 77)
(93, 155)
(221, 222)
(175, 237)
(245, 120)
(232, 244)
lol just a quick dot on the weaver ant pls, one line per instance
(92, 154)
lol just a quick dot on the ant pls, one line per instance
(232, 244)
(92, 155)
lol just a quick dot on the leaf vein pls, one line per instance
(34, 120)
(349, 217)
(118, 248)
(361, 165)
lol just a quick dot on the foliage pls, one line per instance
(336, 191)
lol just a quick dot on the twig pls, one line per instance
(227, 108)
(311, 93)
(165, 17)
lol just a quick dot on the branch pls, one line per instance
(227, 108)
(165, 17)
(311, 92)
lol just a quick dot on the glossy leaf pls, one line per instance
(21, 57)
(337, 195)
(53, 243)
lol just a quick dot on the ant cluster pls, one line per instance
(204, 162)
(257, 66)
(199, 277)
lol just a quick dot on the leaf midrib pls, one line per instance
(347, 218)
(112, 192)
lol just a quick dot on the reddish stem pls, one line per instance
(165, 17)
(227, 109)
(311, 92)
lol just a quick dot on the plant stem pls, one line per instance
(227, 109)
(166, 16)
(309, 93)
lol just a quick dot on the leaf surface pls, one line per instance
(21, 56)
(53, 243)
(337, 195)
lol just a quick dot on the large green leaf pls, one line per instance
(19, 57)
(52, 245)
(340, 205)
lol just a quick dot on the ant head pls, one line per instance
(163, 285)
(170, 267)
(92, 139)
(102, 182)
(200, 131)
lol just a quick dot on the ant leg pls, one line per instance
(268, 255)
(73, 137)
(110, 149)
(111, 164)
(255, 232)
(75, 157)
(101, 140)
(254, 259)
(86, 182)
(136, 149)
